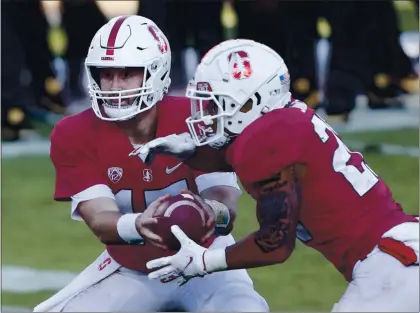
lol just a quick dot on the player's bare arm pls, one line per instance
(278, 206)
(103, 218)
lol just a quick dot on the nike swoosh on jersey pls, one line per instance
(172, 169)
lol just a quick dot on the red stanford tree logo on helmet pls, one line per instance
(160, 38)
(240, 65)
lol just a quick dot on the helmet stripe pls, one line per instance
(113, 35)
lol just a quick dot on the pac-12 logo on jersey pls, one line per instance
(147, 175)
(240, 65)
(115, 174)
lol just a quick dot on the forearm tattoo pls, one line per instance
(279, 196)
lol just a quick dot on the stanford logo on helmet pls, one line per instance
(161, 41)
(240, 64)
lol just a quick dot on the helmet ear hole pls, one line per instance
(247, 106)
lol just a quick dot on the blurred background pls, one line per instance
(356, 62)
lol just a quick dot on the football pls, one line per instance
(182, 210)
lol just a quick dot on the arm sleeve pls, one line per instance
(207, 180)
(75, 162)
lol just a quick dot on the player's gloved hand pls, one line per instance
(180, 146)
(192, 260)
(146, 219)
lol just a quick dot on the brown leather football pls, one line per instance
(182, 210)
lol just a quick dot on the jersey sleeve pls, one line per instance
(271, 144)
(74, 160)
(90, 193)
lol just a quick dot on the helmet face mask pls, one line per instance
(236, 83)
(137, 44)
(209, 118)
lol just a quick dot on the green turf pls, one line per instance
(38, 232)
(407, 15)
(27, 199)
(43, 128)
(403, 137)
(29, 300)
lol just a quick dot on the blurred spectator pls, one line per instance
(392, 68)
(28, 22)
(289, 27)
(366, 56)
(16, 96)
(154, 10)
(80, 20)
(191, 23)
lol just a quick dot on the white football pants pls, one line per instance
(381, 283)
(132, 291)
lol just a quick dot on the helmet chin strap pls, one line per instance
(283, 101)
(137, 105)
(223, 141)
(278, 105)
(109, 112)
(265, 110)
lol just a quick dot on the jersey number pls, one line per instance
(361, 181)
(125, 197)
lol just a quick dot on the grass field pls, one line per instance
(38, 232)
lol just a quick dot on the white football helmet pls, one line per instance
(126, 42)
(236, 82)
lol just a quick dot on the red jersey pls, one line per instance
(87, 151)
(345, 208)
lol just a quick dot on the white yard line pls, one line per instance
(43, 148)
(14, 309)
(386, 149)
(20, 279)
(25, 148)
(361, 119)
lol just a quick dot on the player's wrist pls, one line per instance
(127, 230)
(214, 260)
(222, 215)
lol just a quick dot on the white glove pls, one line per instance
(192, 260)
(180, 146)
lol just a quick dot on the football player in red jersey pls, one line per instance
(128, 67)
(306, 182)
